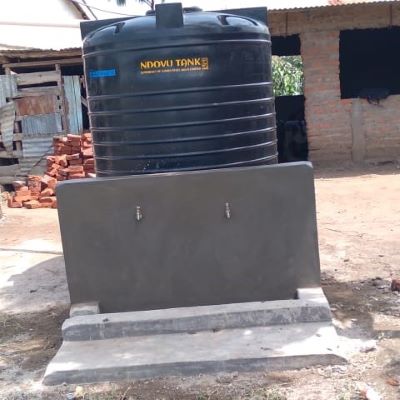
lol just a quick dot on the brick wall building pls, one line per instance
(342, 127)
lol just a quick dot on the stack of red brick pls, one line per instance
(38, 193)
(72, 159)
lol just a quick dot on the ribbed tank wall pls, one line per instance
(195, 97)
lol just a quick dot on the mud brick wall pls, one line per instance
(340, 130)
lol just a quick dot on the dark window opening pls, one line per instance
(369, 63)
(286, 45)
(287, 65)
(289, 100)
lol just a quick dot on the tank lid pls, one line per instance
(176, 18)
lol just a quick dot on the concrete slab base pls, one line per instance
(310, 306)
(274, 335)
(273, 348)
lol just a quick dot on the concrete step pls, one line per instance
(311, 306)
(273, 348)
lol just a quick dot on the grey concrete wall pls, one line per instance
(187, 250)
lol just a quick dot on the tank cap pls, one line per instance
(169, 15)
(186, 10)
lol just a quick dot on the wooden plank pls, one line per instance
(37, 91)
(84, 102)
(63, 107)
(72, 89)
(33, 105)
(34, 78)
(78, 104)
(67, 61)
(18, 146)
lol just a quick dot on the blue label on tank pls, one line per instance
(102, 73)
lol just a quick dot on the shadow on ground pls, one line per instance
(32, 289)
(357, 303)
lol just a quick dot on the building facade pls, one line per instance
(351, 78)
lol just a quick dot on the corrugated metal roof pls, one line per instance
(312, 4)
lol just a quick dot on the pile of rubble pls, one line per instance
(72, 159)
(37, 192)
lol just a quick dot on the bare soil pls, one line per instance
(359, 234)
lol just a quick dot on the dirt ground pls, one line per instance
(359, 237)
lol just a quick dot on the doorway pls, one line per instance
(288, 81)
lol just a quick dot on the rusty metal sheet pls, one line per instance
(34, 105)
(47, 124)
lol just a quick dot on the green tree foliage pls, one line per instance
(287, 75)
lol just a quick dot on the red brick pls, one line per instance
(13, 204)
(52, 172)
(18, 184)
(45, 205)
(47, 192)
(23, 190)
(48, 181)
(89, 161)
(63, 171)
(22, 197)
(75, 156)
(47, 201)
(88, 152)
(62, 160)
(75, 168)
(77, 175)
(55, 166)
(34, 184)
(86, 145)
(87, 136)
(32, 204)
(395, 286)
(76, 162)
(71, 136)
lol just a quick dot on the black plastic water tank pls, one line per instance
(180, 91)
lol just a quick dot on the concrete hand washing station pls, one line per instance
(200, 253)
